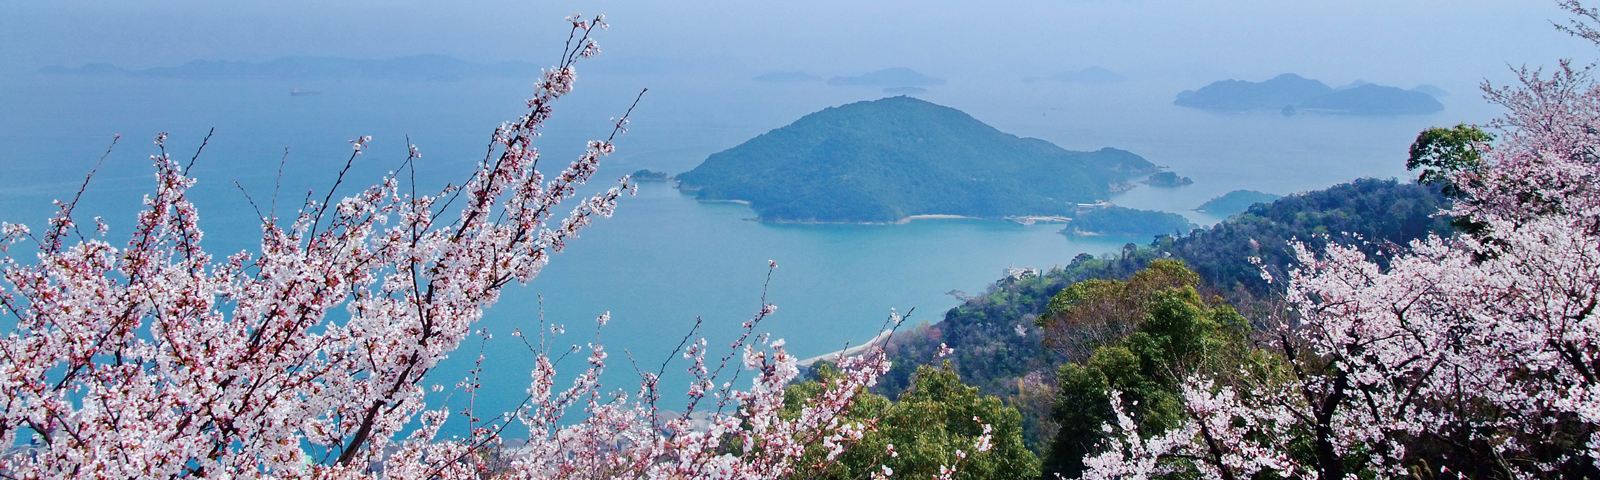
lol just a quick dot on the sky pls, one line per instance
(1386, 41)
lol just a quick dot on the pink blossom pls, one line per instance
(1502, 319)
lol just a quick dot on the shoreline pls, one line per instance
(737, 202)
(847, 351)
(1025, 220)
(1032, 219)
(933, 216)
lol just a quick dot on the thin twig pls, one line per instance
(197, 151)
(66, 210)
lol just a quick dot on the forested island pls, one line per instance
(1123, 221)
(886, 160)
(1168, 180)
(647, 175)
(1235, 201)
(1290, 94)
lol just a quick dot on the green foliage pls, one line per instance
(1174, 332)
(1378, 211)
(1079, 296)
(887, 159)
(1090, 313)
(927, 425)
(1441, 153)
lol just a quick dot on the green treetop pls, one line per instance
(1153, 330)
(927, 426)
(1441, 153)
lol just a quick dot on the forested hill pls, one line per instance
(887, 159)
(991, 354)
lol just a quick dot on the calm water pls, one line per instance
(664, 258)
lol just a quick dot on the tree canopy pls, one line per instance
(1157, 330)
(937, 423)
(1439, 155)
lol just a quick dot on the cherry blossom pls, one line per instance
(1485, 345)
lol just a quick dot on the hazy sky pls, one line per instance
(1387, 41)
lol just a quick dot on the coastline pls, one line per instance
(933, 216)
(738, 202)
(1024, 220)
(847, 351)
(1032, 219)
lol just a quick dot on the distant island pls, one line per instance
(1237, 95)
(886, 160)
(1235, 202)
(1372, 99)
(1123, 221)
(888, 78)
(1290, 94)
(1168, 180)
(644, 175)
(415, 67)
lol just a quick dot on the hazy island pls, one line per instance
(1123, 221)
(646, 175)
(1290, 94)
(1372, 99)
(1234, 202)
(886, 160)
(1168, 180)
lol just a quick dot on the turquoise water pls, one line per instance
(664, 258)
